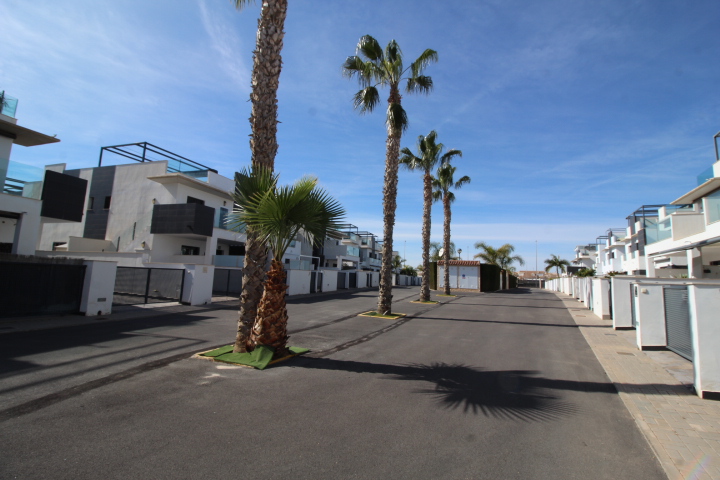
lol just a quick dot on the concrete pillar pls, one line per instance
(622, 301)
(694, 260)
(98, 288)
(705, 330)
(197, 287)
(649, 268)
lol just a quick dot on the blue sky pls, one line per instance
(570, 114)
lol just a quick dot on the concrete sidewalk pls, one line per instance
(683, 430)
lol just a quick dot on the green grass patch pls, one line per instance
(443, 295)
(374, 314)
(426, 302)
(259, 358)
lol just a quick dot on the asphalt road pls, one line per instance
(497, 386)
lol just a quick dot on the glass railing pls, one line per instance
(670, 209)
(235, 261)
(222, 219)
(353, 251)
(21, 180)
(705, 175)
(8, 105)
(659, 232)
(299, 265)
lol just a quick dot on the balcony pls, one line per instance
(63, 195)
(183, 219)
(676, 227)
(351, 239)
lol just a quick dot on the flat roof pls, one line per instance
(24, 136)
(698, 192)
(171, 178)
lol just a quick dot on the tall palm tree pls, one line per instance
(428, 157)
(374, 67)
(267, 63)
(278, 215)
(558, 263)
(442, 184)
(502, 257)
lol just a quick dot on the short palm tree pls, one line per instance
(373, 68)
(428, 157)
(267, 64)
(442, 184)
(502, 257)
(436, 248)
(558, 263)
(278, 215)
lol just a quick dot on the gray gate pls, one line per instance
(40, 288)
(677, 320)
(313, 282)
(353, 279)
(137, 285)
(341, 281)
(227, 282)
(633, 295)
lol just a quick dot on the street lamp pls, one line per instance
(460, 253)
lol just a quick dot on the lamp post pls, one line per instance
(460, 253)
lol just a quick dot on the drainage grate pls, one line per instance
(626, 353)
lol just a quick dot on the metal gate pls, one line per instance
(353, 279)
(341, 281)
(137, 285)
(633, 298)
(227, 282)
(313, 282)
(677, 320)
(40, 288)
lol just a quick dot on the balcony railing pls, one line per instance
(705, 175)
(232, 261)
(8, 105)
(21, 180)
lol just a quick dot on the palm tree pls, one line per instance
(502, 257)
(278, 215)
(429, 155)
(557, 262)
(397, 263)
(436, 247)
(267, 63)
(374, 67)
(441, 191)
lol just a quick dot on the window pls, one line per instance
(107, 203)
(219, 252)
(195, 200)
(55, 245)
(712, 207)
(91, 203)
(190, 250)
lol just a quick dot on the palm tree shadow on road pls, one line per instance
(511, 395)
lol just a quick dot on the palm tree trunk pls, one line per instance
(392, 156)
(427, 208)
(252, 290)
(446, 241)
(271, 327)
(267, 63)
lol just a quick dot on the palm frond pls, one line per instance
(425, 58)
(365, 72)
(447, 157)
(463, 181)
(366, 99)
(420, 84)
(393, 54)
(370, 48)
(397, 117)
(240, 4)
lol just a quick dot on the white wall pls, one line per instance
(80, 244)
(298, 282)
(329, 282)
(167, 248)
(650, 310)
(197, 289)
(601, 297)
(7, 230)
(622, 299)
(97, 295)
(25, 238)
